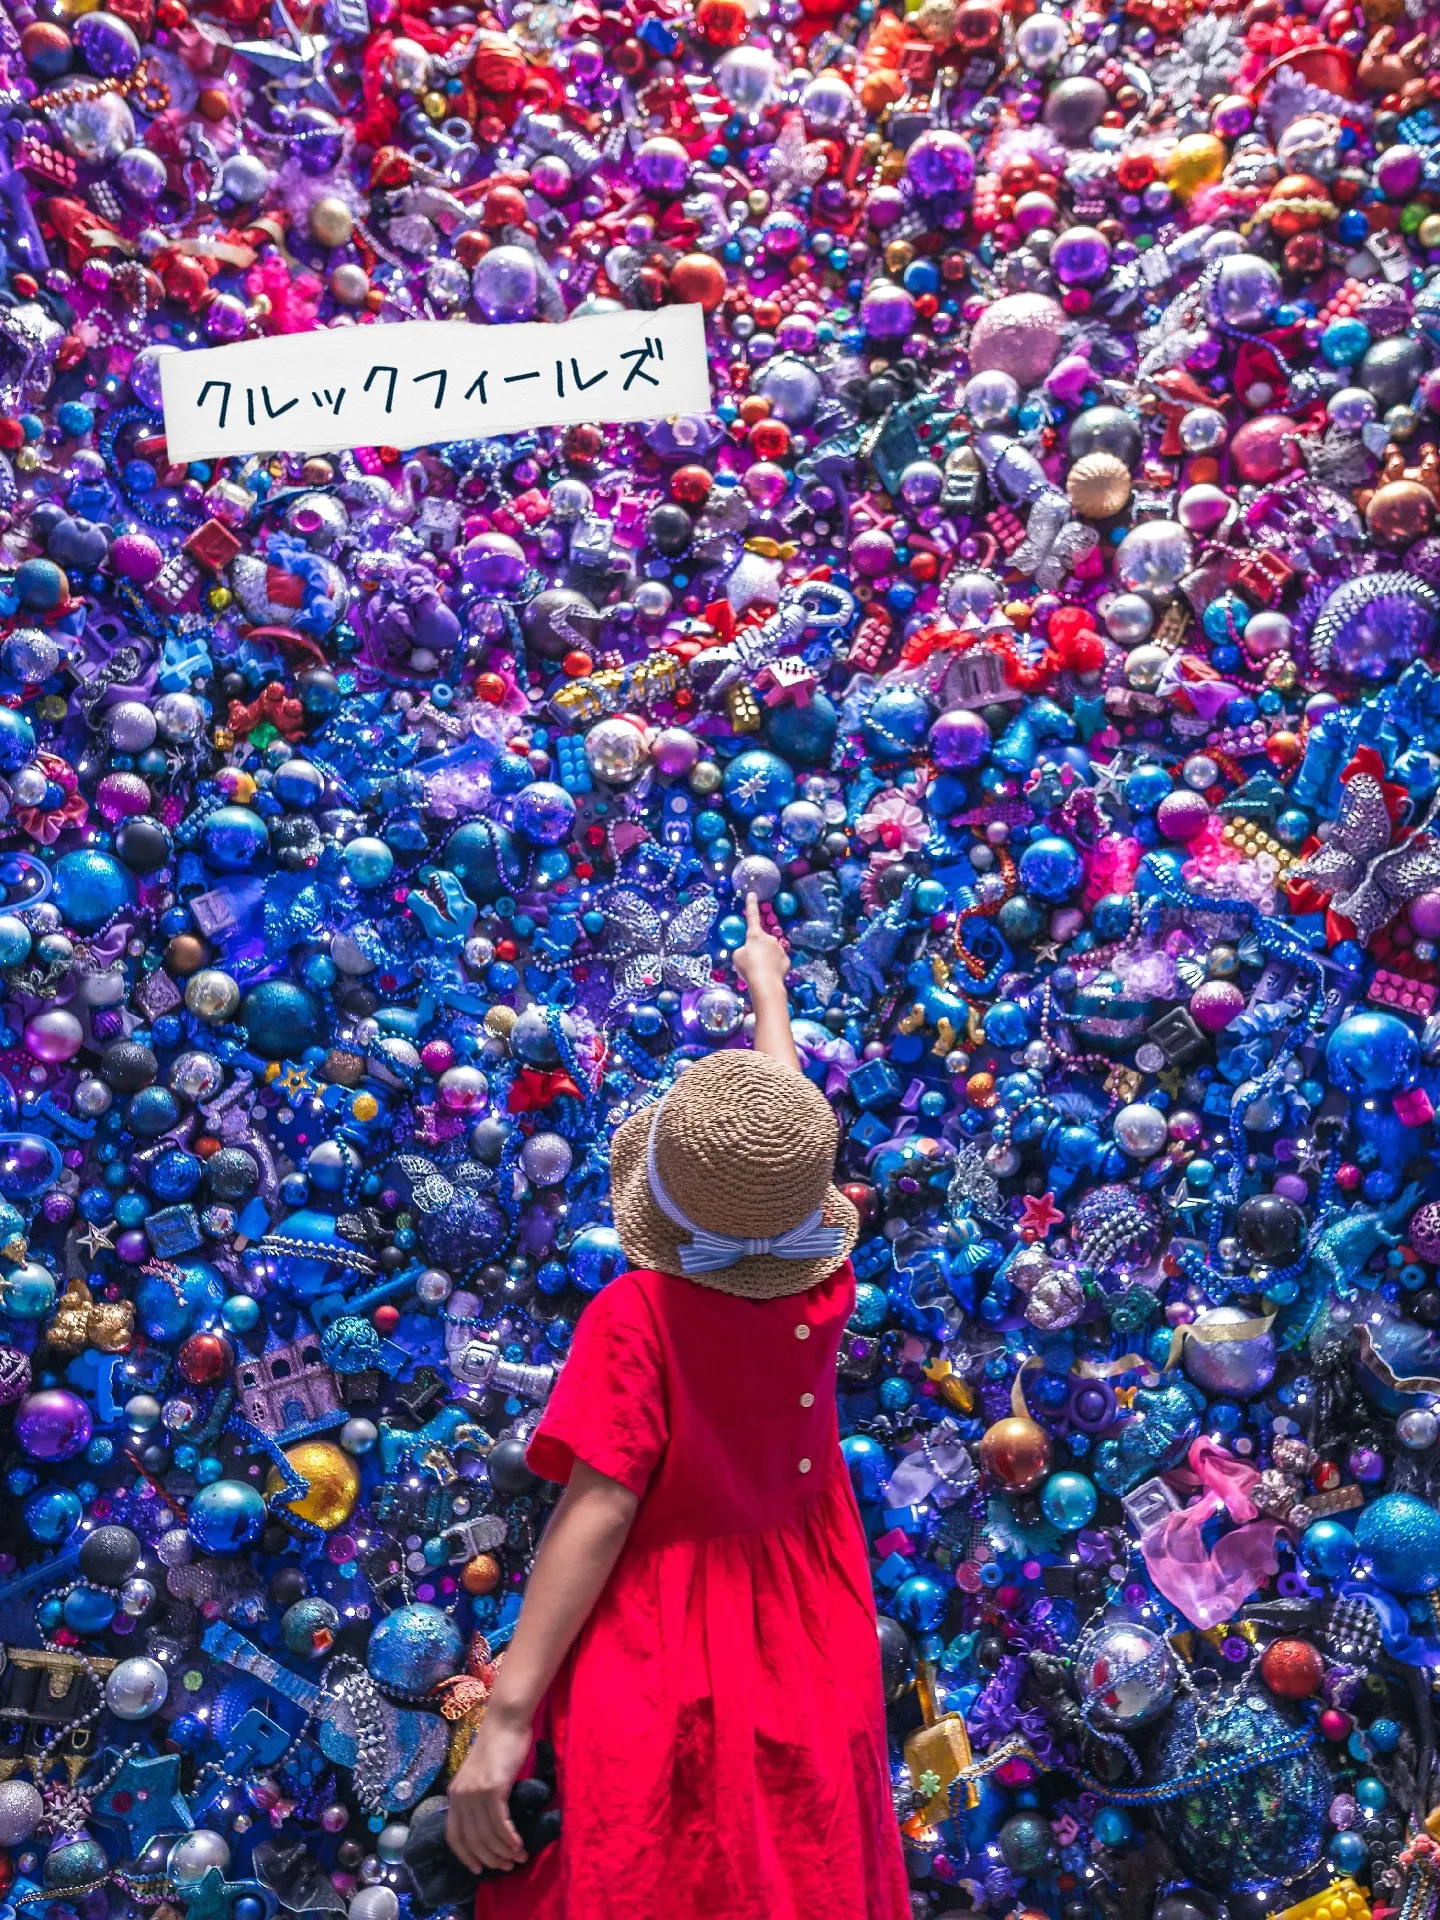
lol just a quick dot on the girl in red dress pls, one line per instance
(698, 1635)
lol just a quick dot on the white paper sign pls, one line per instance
(420, 382)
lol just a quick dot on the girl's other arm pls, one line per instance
(762, 964)
(577, 1552)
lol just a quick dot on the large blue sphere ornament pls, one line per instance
(1400, 1536)
(483, 857)
(226, 1516)
(281, 1020)
(919, 1603)
(868, 1462)
(1327, 1547)
(187, 1297)
(803, 735)
(91, 888)
(234, 838)
(758, 782)
(896, 722)
(469, 1228)
(594, 1257)
(1238, 1830)
(1051, 869)
(52, 1513)
(1372, 1052)
(544, 814)
(413, 1648)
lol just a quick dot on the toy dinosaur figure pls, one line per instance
(1340, 1250)
(866, 963)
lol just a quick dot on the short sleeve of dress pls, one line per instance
(608, 1406)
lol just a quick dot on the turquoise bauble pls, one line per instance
(281, 1020)
(413, 1648)
(1400, 1536)
(90, 888)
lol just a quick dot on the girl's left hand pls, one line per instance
(479, 1828)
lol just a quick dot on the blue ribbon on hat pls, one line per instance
(712, 1252)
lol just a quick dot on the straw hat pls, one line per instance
(727, 1180)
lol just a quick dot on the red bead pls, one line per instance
(205, 1358)
(1293, 1669)
(386, 1319)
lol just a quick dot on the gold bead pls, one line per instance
(219, 599)
(331, 221)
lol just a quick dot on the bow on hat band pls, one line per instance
(711, 1252)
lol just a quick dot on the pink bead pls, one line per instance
(1424, 916)
(1264, 448)
(1334, 1724)
(136, 557)
(437, 1055)
(1182, 815)
(1216, 1004)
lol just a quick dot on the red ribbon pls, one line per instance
(531, 1090)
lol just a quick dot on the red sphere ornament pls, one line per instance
(1292, 1669)
(205, 1359)
(1016, 1452)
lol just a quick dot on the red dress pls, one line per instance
(718, 1725)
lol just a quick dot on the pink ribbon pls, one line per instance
(1208, 1586)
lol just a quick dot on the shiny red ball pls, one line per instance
(1293, 1669)
(205, 1359)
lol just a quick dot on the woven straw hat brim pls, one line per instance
(650, 1239)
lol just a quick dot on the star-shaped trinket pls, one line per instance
(144, 1798)
(215, 1897)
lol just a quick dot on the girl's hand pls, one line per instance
(479, 1828)
(762, 962)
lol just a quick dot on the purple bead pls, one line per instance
(106, 44)
(959, 739)
(53, 1424)
(662, 166)
(493, 562)
(940, 162)
(887, 312)
(1080, 257)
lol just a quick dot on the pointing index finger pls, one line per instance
(753, 921)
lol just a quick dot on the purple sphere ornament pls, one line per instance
(53, 1424)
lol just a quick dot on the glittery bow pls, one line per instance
(1367, 879)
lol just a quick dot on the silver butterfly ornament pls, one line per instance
(648, 949)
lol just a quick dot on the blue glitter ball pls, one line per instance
(281, 1020)
(1372, 1053)
(90, 888)
(483, 857)
(803, 735)
(758, 782)
(71, 1865)
(413, 1648)
(1400, 1536)
(1237, 1832)
(1051, 869)
(544, 814)
(225, 1516)
(234, 838)
(1327, 1547)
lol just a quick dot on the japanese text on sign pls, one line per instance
(426, 381)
